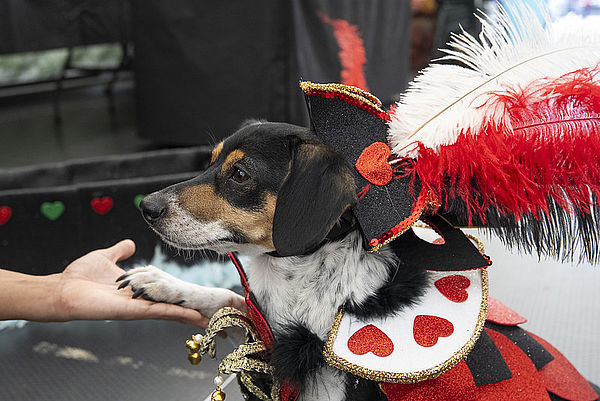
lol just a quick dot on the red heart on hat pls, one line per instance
(370, 339)
(5, 213)
(454, 287)
(428, 329)
(102, 205)
(373, 164)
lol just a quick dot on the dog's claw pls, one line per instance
(123, 284)
(121, 277)
(138, 292)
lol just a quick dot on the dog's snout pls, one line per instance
(153, 207)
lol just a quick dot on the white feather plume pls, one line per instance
(513, 50)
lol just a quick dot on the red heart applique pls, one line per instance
(370, 339)
(427, 329)
(102, 205)
(5, 213)
(373, 164)
(454, 287)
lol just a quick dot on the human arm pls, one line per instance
(86, 289)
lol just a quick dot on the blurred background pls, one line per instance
(103, 102)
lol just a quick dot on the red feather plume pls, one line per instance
(541, 169)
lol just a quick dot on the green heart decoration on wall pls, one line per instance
(138, 199)
(52, 210)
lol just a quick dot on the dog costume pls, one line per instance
(509, 141)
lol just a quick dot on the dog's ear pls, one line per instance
(318, 189)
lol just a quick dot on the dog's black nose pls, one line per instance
(153, 207)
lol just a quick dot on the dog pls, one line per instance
(276, 193)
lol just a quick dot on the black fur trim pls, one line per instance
(359, 389)
(297, 355)
(404, 287)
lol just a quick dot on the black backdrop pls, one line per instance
(49, 214)
(202, 68)
(31, 25)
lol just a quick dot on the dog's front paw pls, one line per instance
(153, 284)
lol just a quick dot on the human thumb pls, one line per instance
(121, 250)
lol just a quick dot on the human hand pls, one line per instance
(86, 290)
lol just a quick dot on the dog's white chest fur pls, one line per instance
(308, 290)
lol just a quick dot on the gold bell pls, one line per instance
(217, 395)
(194, 358)
(192, 346)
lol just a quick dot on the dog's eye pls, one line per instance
(239, 175)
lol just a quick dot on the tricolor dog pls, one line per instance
(274, 191)
(278, 194)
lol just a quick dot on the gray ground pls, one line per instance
(102, 361)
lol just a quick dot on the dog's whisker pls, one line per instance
(211, 135)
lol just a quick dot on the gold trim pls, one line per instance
(247, 381)
(351, 91)
(245, 359)
(478, 241)
(406, 378)
(239, 360)
(222, 319)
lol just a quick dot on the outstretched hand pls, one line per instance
(87, 290)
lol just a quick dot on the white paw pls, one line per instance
(153, 284)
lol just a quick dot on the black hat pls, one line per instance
(352, 121)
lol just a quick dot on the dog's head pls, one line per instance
(270, 186)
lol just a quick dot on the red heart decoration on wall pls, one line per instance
(454, 287)
(428, 329)
(5, 213)
(370, 339)
(373, 164)
(102, 205)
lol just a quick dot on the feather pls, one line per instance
(352, 52)
(514, 50)
(513, 139)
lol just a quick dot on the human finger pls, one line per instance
(239, 303)
(121, 250)
(181, 314)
